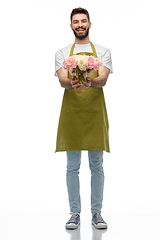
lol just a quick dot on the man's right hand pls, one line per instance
(75, 84)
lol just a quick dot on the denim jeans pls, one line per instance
(97, 180)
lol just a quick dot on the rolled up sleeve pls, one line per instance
(107, 60)
(59, 58)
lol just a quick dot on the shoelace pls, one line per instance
(99, 218)
(73, 218)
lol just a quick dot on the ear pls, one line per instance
(71, 26)
(90, 25)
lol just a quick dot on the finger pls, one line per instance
(84, 87)
(87, 85)
(74, 82)
(77, 86)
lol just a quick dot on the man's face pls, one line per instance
(80, 25)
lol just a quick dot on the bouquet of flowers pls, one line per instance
(82, 66)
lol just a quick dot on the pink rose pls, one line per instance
(95, 68)
(69, 63)
(91, 62)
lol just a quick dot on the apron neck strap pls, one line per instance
(94, 50)
(92, 46)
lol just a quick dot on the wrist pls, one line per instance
(66, 83)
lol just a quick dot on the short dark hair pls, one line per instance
(79, 10)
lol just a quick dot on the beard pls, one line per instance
(79, 36)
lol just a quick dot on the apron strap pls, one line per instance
(72, 49)
(94, 50)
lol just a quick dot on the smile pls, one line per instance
(80, 30)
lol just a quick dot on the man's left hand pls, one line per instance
(87, 83)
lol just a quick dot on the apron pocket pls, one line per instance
(87, 100)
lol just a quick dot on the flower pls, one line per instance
(80, 57)
(96, 65)
(69, 63)
(91, 62)
(77, 58)
(82, 64)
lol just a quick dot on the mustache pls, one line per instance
(80, 28)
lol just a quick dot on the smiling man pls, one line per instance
(83, 122)
(80, 26)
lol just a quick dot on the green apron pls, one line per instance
(83, 122)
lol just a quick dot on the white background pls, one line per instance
(33, 194)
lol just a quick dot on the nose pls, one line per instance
(79, 24)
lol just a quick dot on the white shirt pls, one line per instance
(102, 52)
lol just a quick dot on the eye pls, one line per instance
(75, 22)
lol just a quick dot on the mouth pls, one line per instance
(80, 30)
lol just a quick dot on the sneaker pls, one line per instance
(98, 221)
(74, 221)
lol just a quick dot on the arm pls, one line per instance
(104, 70)
(61, 72)
(101, 80)
(63, 78)
(97, 82)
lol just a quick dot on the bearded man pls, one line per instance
(83, 122)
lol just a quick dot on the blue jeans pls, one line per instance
(97, 180)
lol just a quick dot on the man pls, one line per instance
(83, 123)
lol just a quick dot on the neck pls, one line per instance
(82, 41)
